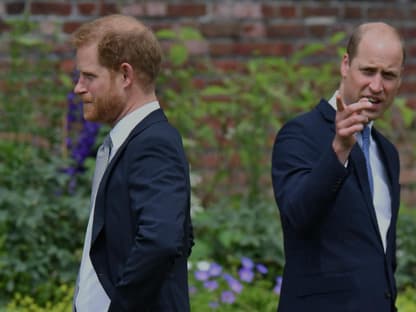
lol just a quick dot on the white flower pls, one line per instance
(203, 265)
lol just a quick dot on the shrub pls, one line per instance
(406, 248)
(229, 230)
(63, 302)
(41, 223)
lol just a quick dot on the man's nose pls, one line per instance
(376, 84)
(79, 87)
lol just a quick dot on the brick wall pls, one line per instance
(236, 30)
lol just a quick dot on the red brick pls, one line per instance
(237, 10)
(156, 9)
(199, 82)
(353, 12)
(308, 11)
(386, 13)
(253, 30)
(230, 65)
(197, 47)
(318, 30)
(408, 32)
(409, 70)
(287, 11)
(50, 8)
(221, 29)
(15, 8)
(274, 10)
(221, 48)
(408, 87)
(70, 27)
(251, 48)
(133, 10)
(108, 8)
(181, 10)
(87, 8)
(411, 102)
(286, 31)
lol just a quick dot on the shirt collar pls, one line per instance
(123, 128)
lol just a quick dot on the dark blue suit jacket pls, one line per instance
(142, 233)
(335, 259)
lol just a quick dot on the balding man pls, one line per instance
(139, 233)
(336, 183)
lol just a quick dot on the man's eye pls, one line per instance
(389, 76)
(367, 71)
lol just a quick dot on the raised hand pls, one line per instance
(349, 120)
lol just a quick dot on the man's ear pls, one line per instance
(345, 65)
(127, 74)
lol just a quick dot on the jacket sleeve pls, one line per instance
(306, 174)
(159, 193)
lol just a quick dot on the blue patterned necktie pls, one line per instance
(366, 150)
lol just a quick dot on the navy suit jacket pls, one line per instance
(334, 255)
(142, 233)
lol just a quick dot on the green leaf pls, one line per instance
(337, 37)
(188, 33)
(166, 34)
(178, 54)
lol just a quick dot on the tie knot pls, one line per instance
(105, 149)
(107, 142)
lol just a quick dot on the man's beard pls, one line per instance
(106, 108)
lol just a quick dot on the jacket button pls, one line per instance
(387, 294)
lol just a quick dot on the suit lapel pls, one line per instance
(99, 212)
(358, 164)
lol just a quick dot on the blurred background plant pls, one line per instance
(41, 222)
(229, 118)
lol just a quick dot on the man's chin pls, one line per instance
(88, 116)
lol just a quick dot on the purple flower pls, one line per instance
(192, 289)
(81, 135)
(261, 268)
(246, 275)
(247, 263)
(215, 269)
(228, 297)
(211, 285)
(214, 304)
(234, 284)
(201, 275)
(278, 285)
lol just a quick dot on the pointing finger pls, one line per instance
(340, 104)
